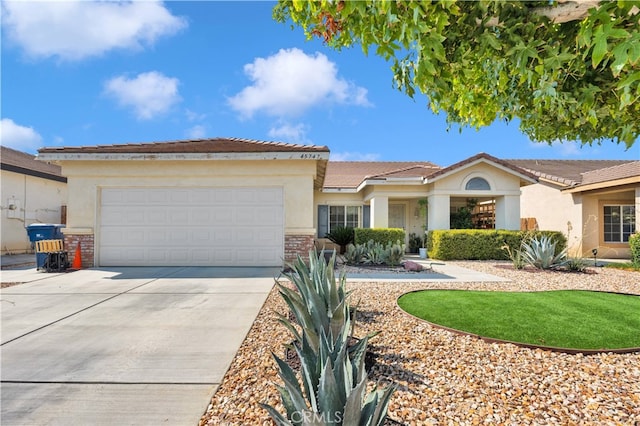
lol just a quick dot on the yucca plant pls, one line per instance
(540, 252)
(516, 256)
(334, 381)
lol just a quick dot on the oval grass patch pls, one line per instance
(565, 319)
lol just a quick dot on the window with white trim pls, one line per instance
(344, 216)
(477, 184)
(619, 223)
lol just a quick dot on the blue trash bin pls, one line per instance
(44, 231)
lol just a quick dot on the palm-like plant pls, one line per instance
(342, 236)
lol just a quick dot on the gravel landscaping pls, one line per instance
(444, 378)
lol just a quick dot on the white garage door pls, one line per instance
(191, 227)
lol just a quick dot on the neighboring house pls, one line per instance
(594, 202)
(237, 202)
(32, 192)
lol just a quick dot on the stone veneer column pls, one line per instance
(297, 244)
(86, 242)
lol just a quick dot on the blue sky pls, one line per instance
(87, 73)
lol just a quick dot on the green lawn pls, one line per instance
(566, 319)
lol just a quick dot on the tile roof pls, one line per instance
(198, 146)
(21, 162)
(620, 171)
(485, 156)
(350, 174)
(564, 172)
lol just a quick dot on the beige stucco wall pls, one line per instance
(554, 210)
(37, 200)
(593, 229)
(505, 188)
(86, 178)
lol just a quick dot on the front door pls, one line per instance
(397, 216)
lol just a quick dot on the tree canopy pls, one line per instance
(568, 70)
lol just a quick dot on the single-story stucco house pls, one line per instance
(238, 202)
(32, 192)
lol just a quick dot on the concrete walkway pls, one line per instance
(122, 346)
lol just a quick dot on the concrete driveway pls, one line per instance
(122, 346)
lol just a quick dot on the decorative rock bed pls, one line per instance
(445, 378)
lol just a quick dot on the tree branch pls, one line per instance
(568, 10)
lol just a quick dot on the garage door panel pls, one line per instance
(192, 226)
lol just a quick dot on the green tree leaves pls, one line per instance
(496, 59)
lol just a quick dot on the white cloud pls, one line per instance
(194, 116)
(290, 82)
(149, 94)
(197, 132)
(290, 133)
(74, 30)
(353, 156)
(19, 137)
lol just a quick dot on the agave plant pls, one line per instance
(334, 381)
(319, 302)
(540, 252)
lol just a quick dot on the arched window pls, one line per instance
(477, 184)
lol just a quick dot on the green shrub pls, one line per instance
(383, 236)
(415, 242)
(342, 236)
(634, 245)
(482, 244)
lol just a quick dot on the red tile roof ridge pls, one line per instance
(403, 169)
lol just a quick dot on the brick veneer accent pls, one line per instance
(295, 245)
(86, 248)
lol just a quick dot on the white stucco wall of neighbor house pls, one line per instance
(26, 200)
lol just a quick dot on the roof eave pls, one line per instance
(602, 185)
(522, 176)
(340, 190)
(293, 155)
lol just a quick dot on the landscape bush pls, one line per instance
(634, 245)
(383, 236)
(483, 244)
